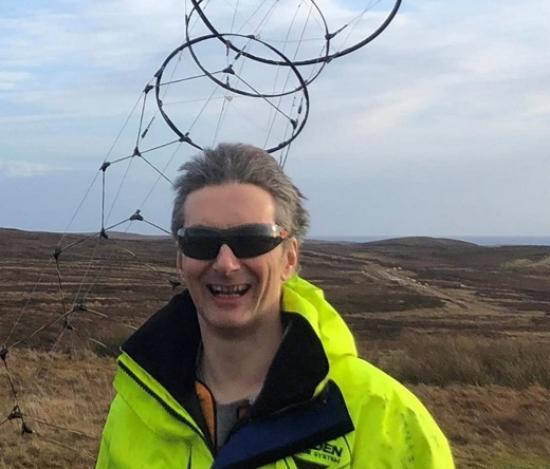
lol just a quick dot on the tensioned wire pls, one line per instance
(63, 445)
(355, 20)
(198, 116)
(221, 117)
(273, 115)
(231, 72)
(117, 138)
(103, 198)
(242, 62)
(161, 173)
(386, 19)
(141, 133)
(265, 18)
(285, 151)
(79, 241)
(242, 59)
(65, 315)
(37, 283)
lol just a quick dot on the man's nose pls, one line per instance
(226, 262)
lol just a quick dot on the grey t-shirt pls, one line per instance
(227, 415)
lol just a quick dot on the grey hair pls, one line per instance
(246, 164)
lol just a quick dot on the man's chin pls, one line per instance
(227, 315)
(232, 327)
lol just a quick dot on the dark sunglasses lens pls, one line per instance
(245, 241)
(203, 248)
(252, 246)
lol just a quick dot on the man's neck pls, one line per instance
(234, 367)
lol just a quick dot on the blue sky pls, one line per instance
(438, 127)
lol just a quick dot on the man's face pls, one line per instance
(227, 206)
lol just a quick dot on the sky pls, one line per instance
(438, 127)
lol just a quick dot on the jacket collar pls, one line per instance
(166, 347)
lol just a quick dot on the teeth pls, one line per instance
(228, 289)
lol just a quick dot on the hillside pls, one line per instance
(467, 327)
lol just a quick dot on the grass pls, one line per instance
(418, 312)
(445, 359)
(65, 401)
(490, 396)
(492, 426)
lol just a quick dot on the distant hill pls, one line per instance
(421, 241)
(136, 236)
(111, 234)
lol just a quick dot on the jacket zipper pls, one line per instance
(166, 407)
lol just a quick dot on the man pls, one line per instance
(250, 366)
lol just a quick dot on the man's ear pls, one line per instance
(290, 258)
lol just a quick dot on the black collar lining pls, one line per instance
(166, 347)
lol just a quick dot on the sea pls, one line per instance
(480, 240)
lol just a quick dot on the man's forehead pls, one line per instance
(229, 205)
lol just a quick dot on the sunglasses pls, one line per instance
(244, 240)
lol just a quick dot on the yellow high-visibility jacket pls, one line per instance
(320, 407)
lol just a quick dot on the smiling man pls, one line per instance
(250, 366)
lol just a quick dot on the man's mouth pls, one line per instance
(228, 290)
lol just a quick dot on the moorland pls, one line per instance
(466, 327)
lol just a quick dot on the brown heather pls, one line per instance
(66, 400)
(466, 328)
(443, 360)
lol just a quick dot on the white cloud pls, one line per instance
(442, 82)
(10, 80)
(537, 105)
(452, 83)
(25, 169)
(116, 34)
(394, 109)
